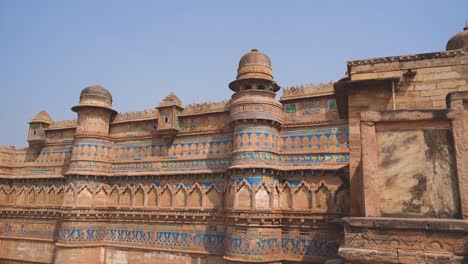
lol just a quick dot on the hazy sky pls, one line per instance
(143, 50)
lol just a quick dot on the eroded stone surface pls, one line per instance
(417, 173)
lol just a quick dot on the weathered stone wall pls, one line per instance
(417, 173)
(421, 82)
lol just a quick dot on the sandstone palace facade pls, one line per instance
(372, 168)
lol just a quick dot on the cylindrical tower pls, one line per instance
(91, 147)
(256, 116)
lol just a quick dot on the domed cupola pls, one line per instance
(94, 111)
(95, 96)
(254, 66)
(459, 41)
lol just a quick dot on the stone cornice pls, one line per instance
(413, 57)
(307, 90)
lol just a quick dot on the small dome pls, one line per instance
(42, 117)
(255, 64)
(96, 96)
(171, 100)
(459, 41)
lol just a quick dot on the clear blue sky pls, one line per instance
(143, 50)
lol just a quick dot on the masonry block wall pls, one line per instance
(369, 169)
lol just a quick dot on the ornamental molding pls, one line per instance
(304, 90)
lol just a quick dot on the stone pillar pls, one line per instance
(458, 107)
(370, 170)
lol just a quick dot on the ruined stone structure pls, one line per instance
(369, 169)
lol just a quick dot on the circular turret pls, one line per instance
(459, 41)
(95, 96)
(254, 66)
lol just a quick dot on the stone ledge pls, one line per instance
(360, 255)
(413, 57)
(434, 224)
(403, 115)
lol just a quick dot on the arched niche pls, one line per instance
(59, 194)
(244, 198)
(302, 199)
(84, 198)
(12, 197)
(262, 198)
(126, 198)
(139, 198)
(195, 198)
(50, 197)
(21, 197)
(286, 198)
(151, 200)
(165, 200)
(114, 197)
(31, 197)
(322, 198)
(180, 198)
(342, 200)
(69, 197)
(100, 198)
(213, 199)
(3, 196)
(41, 197)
